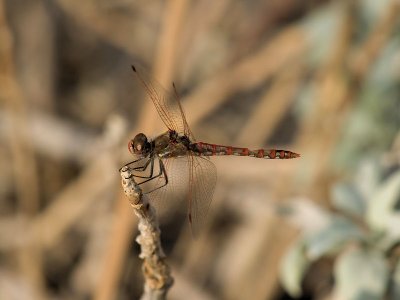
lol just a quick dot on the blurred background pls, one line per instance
(317, 77)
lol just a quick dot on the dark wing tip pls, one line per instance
(133, 68)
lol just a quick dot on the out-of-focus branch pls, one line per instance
(157, 273)
(286, 47)
(23, 156)
(273, 105)
(53, 137)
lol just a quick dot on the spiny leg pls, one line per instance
(142, 168)
(162, 172)
(150, 177)
(153, 177)
(132, 162)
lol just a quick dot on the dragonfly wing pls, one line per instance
(202, 181)
(170, 188)
(191, 178)
(166, 103)
(187, 131)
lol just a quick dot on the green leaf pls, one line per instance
(293, 267)
(381, 207)
(361, 274)
(331, 238)
(346, 198)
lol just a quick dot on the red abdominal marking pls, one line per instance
(272, 154)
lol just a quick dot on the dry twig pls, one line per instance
(157, 273)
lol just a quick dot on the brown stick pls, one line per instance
(157, 273)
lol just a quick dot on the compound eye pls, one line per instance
(130, 147)
(139, 144)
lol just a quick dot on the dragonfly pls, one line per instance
(155, 157)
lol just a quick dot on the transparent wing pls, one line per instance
(188, 131)
(191, 178)
(171, 188)
(202, 181)
(166, 103)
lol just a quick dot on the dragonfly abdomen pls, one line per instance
(206, 149)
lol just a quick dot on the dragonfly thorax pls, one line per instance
(139, 145)
(170, 144)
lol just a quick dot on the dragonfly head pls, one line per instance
(139, 145)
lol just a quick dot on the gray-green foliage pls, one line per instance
(360, 237)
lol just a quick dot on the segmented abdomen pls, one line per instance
(206, 149)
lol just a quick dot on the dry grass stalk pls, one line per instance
(157, 273)
(25, 167)
(165, 58)
(23, 156)
(275, 102)
(100, 20)
(76, 198)
(277, 53)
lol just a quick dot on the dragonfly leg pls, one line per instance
(151, 176)
(132, 162)
(162, 172)
(143, 168)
